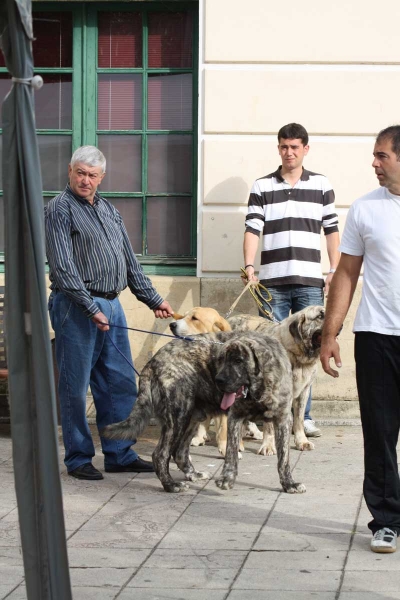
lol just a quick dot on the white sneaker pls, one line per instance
(384, 540)
(310, 429)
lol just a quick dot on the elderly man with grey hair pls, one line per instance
(91, 261)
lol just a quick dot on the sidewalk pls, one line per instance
(130, 540)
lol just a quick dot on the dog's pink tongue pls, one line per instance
(227, 400)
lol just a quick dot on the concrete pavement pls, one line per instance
(128, 539)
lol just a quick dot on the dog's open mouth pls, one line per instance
(317, 338)
(230, 397)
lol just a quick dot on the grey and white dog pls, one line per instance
(247, 374)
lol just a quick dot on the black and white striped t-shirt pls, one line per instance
(290, 220)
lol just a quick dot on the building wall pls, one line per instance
(320, 64)
(331, 67)
(325, 65)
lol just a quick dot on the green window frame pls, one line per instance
(85, 72)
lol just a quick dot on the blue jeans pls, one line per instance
(292, 298)
(85, 355)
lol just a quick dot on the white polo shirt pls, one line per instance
(372, 230)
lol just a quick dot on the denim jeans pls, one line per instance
(292, 298)
(85, 355)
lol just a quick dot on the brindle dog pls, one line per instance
(300, 335)
(244, 373)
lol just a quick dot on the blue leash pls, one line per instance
(175, 337)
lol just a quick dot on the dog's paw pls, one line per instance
(198, 441)
(198, 475)
(225, 482)
(295, 488)
(304, 445)
(176, 487)
(267, 449)
(222, 449)
(251, 431)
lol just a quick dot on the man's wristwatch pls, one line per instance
(332, 271)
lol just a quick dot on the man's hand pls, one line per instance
(330, 349)
(101, 321)
(251, 276)
(328, 281)
(163, 311)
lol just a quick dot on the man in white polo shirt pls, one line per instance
(372, 237)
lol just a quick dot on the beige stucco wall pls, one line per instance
(325, 65)
(311, 31)
(255, 77)
(338, 100)
(232, 163)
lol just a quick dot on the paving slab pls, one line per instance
(7, 589)
(303, 524)
(114, 539)
(172, 594)
(203, 579)
(127, 538)
(197, 559)
(11, 574)
(386, 595)
(272, 540)
(101, 557)
(282, 595)
(378, 581)
(330, 560)
(9, 534)
(101, 577)
(293, 580)
(214, 540)
(78, 593)
(10, 556)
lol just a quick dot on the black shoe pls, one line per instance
(137, 466)
(86, 471)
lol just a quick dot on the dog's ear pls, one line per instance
(177, 316)
(221, 325)
(295, 328)
(254, 351)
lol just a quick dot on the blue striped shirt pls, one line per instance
(88, 249)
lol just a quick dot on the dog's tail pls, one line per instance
(133, 426)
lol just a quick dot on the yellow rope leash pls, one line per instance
(255, 290)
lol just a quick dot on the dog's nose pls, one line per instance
(322, 313)
(220, 379)
(172, 326)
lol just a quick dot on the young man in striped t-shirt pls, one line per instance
(289, 207)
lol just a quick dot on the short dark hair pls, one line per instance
(293, 131)
(392, 134)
